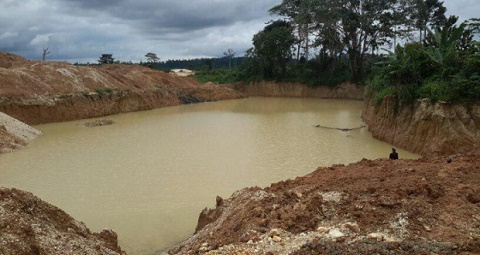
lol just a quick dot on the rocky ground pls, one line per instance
(30, 226)
(425, 206)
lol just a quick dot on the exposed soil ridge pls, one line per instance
(429, 129)
(285, 89)
(41, 92)
(425, 206)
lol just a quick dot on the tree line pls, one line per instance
(404, 45)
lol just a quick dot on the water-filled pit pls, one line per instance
(150, 174)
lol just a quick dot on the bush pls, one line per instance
(99, 91)
(434, 71)
(436, 90)
(219, 76)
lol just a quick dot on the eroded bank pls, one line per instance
(430, 129)
(43, 92)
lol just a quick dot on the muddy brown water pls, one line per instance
(150, 174)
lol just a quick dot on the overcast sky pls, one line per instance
(81, 30)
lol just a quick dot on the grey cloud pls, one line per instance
(80, 30)
(176, 16)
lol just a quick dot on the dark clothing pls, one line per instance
(394, 156)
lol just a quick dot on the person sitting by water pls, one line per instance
(394, 154)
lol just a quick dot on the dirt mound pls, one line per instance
(15, 134)
(31, 226)
(424, 206)
(8, 60)
(98, 123)
(41, 92)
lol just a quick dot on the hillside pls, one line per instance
(40, 92)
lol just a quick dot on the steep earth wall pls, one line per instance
(15, 134)
(29, 226)
(273, 89)
(41, 92)
(425, 128)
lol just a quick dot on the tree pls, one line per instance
(273, 49)
(152, 57)
(300, 14)
(230, 53)
(45, 53)
(356, 27)
(427, 13)
(106, 59)
(474, 25)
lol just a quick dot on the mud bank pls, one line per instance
(424, 206)
(31, 226)
(42, 92)
(429, 129)
(272, 89)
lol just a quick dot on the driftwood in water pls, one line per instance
(341, 129)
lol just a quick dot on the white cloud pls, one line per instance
(8, 34)
(41, 40)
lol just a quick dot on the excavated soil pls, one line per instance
(42, 92)
(425, 206)
(14, 134)
(285, 89)
(30, 226)
(430, 129)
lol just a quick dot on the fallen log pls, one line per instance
(341, 129)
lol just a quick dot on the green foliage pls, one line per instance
(99, 91)
(273, 49)
(438, 70)
(106, 59)
(436, 90)
(102, 91)
(378, 87)
(219, 76)
(320, 72)
(407, 66)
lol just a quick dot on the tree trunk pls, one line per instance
(307, 42)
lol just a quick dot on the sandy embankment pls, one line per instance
(430, 129)
(15, 134)
(42, 92)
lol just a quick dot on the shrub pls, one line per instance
(99, 91)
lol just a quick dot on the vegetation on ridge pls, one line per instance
(328, 42)
(445, 67)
